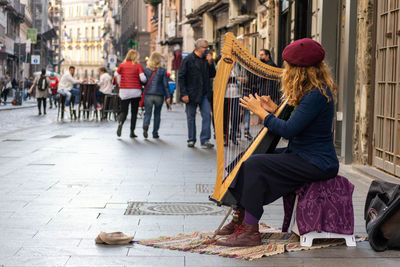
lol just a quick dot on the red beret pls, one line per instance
(303, 52)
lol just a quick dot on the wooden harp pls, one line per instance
(239, 74)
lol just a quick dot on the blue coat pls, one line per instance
(159, 83)
(309, 130)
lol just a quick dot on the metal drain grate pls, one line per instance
(61, 136)
(173, 208)
(205, 188)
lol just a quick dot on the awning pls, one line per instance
(50, 34)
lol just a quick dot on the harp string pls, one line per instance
(237, 120)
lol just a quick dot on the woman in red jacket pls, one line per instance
(130, 89)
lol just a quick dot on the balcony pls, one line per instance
(85, 39)
(4, 2)
(16, 8)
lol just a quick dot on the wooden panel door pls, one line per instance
(387, 88)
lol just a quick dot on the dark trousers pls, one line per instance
(134, 110)
(4, 94)
(39, 103)
(263, 178)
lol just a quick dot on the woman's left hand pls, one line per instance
(253, 103)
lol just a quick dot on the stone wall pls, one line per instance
(363, 80)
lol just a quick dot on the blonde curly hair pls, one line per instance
(296, 81)
(132, 55)
(155, 61)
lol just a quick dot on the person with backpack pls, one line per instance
(41, 86)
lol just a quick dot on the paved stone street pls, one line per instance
(64, 182)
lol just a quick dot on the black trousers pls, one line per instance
(263, 178)
(134, 110)
(39, 103)
(4, 94)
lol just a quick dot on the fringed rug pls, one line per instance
(274, 242)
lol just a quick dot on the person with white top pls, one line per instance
(66, 85)
(105, 85)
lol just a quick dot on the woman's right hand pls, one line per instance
(267, 103)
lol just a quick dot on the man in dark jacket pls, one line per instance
(194, 80)
(265, 57)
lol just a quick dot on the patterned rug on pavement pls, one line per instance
(274, 242)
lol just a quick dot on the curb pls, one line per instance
(20, 107)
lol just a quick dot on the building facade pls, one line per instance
(82, 37)
(46, 33)
(134, 33)
(111, 34)
(12, 15)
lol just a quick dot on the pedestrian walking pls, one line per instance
(156, 90)
(194, 81)
(40, 88)
(66, 86)
(131, 76)
(172, 88)
(53, 89)
(14, 86)
(265, 57)
(6, 89)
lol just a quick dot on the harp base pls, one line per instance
(227, 200)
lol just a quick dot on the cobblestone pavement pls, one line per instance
(64, 182)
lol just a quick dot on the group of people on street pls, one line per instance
(51, 87)
(150, 88)
(132, 77)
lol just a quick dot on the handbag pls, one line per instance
(382, 215)
(141, 103)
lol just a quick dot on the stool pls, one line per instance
(331, 207)
(110, 106)
(87, 99)
(61, 106)
(306, 240)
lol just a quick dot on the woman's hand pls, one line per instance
(185, 99)
(268, 104)
(254, 105)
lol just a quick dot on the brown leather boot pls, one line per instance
(237, 220)
(245, 235)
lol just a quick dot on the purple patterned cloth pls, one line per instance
(322, 206)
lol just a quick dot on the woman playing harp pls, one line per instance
(310, 155)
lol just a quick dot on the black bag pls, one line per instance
(382, 215)
(42, 84)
